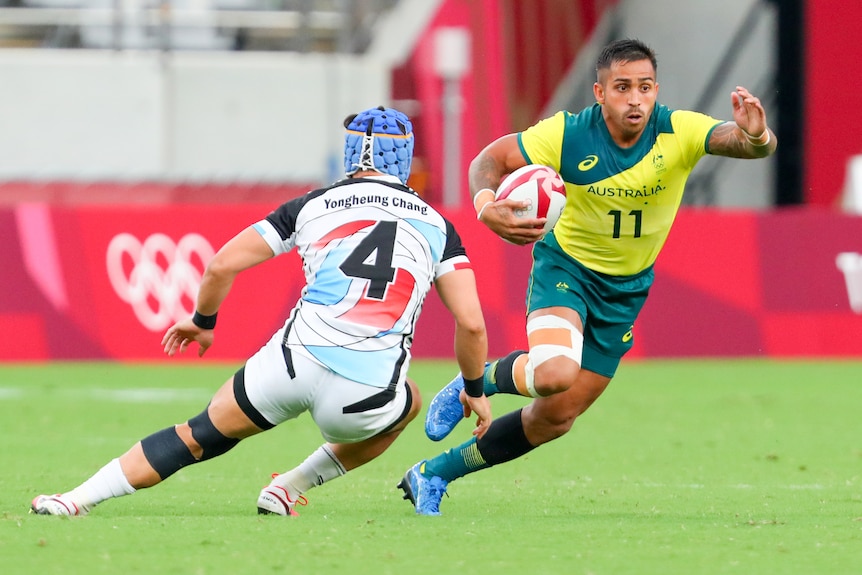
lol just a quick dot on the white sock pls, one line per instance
(318, 468)
(109, 481)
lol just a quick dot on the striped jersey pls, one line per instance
(621, 202)
(371, 249)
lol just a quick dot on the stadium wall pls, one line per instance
(85, 282)
(89, 115)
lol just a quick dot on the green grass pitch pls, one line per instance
(690, 467)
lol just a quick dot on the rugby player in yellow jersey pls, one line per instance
(625, 161)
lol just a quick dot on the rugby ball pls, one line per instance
(541, 186)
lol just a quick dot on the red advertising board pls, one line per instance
(757, 284)
(105, 282)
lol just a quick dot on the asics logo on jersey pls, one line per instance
(157, 277)
(562, 287)
(588, 162)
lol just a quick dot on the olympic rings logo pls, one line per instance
(158, 278)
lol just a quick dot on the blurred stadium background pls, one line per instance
(136, 136)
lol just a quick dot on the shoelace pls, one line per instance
(436, 491)
(66, 502)
(301, 500)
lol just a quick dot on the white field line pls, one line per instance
(11, 393)
(587, 482)
(741, 486)
(117, 395)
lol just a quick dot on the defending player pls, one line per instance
(371, 249)
(625, 161)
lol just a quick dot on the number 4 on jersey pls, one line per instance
(381, 273)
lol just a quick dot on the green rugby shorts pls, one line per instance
(608, 305)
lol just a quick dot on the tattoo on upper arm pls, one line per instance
(485, 173)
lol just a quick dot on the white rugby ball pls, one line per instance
(541, 186)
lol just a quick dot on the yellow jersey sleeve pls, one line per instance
(543, 141)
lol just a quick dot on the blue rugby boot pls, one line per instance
(424, 492)
(445, 410)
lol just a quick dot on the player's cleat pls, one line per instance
(56, 505)
(424, 492)
(276, 500)
(445, 410)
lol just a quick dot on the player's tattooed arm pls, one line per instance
(500, 157)
(728, 139)
(484, 173)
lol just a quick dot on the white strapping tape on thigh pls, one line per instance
(543, 352)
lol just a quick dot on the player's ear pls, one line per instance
(599, 93)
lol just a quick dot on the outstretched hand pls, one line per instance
(183, 333)
(748, 113)
(501, 219)
(481, 406)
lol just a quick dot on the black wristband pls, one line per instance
(204, 321)
(475, 387)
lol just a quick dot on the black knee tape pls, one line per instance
(503, 377)
(505, 440)
(212, 441)
(166, 452)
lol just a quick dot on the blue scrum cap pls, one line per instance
(379, 139)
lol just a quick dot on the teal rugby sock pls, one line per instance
(456, 462)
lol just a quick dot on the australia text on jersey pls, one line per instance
(626, 192)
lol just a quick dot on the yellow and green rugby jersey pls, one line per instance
(621, 201)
